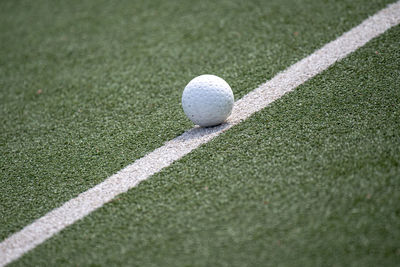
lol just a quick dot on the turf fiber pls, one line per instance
(87, 87)
(312, 180)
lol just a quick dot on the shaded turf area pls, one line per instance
(87, 87)
(312, 180)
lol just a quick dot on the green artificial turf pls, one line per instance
(312, 180)
(87, 87)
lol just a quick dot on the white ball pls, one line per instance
(207, 100)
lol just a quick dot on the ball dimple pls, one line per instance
(207, 100)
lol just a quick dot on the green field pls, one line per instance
(88, 87)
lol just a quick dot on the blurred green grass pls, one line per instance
(312, 180)
(87, 87)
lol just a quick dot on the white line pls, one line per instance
(53, 222)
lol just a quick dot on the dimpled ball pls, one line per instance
(207, 100)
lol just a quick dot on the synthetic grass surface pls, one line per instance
(312, 180)
(87, 87)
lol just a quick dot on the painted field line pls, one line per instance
(53, 222)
